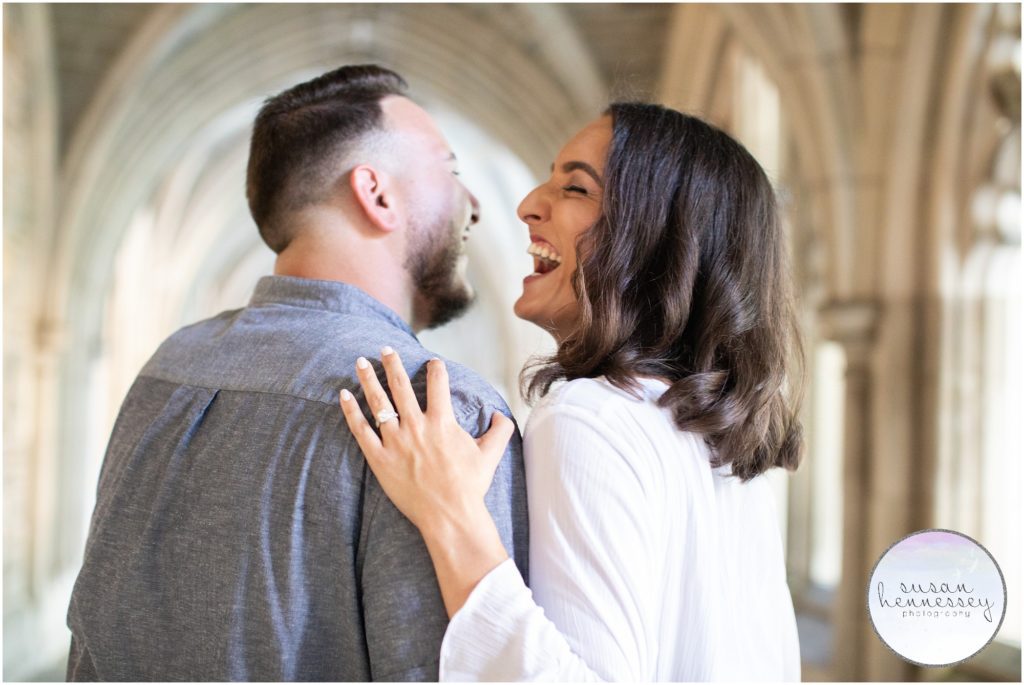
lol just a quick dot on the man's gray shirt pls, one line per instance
(238, 532)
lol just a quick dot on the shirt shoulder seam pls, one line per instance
(227, 388)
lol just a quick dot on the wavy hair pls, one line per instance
(685, 277)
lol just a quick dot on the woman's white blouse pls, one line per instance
(645, 562)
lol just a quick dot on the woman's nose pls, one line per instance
(533, 208)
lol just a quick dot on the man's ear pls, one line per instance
(374, 191)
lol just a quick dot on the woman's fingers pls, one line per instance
(364, 435)
(439, 397)
(375, 395)
(398, 382)
(492, 443)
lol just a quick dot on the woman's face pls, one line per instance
(557, 212)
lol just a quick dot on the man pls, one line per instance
(238, 534)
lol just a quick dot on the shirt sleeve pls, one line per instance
(80, 667)
(593, 563)
(403, 613)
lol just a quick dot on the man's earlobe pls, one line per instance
(374, 192)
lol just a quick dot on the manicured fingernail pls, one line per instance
(386, 350)
(361, 363)
(345, 395)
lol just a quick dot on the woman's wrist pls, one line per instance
(455, 517)
(471, 534)
(463, 551)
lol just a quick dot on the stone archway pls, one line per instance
(802, 48)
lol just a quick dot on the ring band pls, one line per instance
(386, 415)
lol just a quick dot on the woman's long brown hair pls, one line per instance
(685, 276)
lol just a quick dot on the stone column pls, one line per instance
(852, 324)
(35, 588)
(859, 655)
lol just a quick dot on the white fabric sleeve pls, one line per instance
(593, 566)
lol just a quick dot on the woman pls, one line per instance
(654, 551)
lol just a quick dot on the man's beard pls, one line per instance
(441, 295)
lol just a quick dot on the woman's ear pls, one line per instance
(374, 191)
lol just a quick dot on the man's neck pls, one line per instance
(368, 265)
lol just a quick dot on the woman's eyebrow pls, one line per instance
(584, 167)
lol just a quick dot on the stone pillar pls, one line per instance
(852, 324)
(859, 655)
(35, 588)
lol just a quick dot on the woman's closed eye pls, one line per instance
(575, 189)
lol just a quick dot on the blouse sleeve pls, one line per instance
(593, 561)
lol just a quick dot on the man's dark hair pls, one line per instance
(300, 136)
(685, 276)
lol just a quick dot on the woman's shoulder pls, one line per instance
(629, 420)
(596, 409)
(590, 430)
(585, 393)
(598, 398)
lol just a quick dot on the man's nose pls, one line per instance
(474, 216)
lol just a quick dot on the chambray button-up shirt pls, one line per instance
(238, 532)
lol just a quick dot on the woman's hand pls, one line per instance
(431, 468)
(435, 472)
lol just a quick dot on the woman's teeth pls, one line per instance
(543, 252)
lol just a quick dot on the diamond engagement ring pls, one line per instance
(386, 415)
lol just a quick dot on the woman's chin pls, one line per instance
(528, 311)
(522, 310)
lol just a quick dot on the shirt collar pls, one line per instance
(333, 296)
